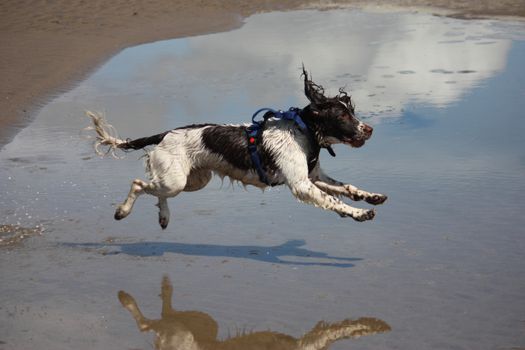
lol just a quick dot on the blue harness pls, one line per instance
(254, 131)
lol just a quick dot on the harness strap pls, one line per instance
(254, 131)
(290, 114)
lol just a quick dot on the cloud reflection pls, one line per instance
(387, 61)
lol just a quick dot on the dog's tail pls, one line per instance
(107, 136)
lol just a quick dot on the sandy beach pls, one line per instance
(46, 47)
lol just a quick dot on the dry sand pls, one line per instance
(48, 45)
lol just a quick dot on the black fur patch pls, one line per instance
(331, 119)
(155, 139)
(313, 156)
(231, 143)
(144, 141)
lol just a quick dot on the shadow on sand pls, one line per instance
(192, 330)
(269, 254)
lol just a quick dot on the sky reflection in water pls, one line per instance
(387, 62)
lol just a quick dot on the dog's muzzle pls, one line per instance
(366, 130)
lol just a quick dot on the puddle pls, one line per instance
(445, 97)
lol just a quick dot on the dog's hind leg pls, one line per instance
(161, 191)
(164, 212)
(130, 304)
(167, 187)
(137, 188)
(166, 295)
(196, 180)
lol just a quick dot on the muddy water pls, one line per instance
(442, 263)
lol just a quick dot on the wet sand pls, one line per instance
(47, 47)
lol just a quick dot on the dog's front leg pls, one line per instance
(294, 167)
(337, 188)
(307, 192)
(351, 192)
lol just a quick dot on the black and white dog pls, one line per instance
(185, 158)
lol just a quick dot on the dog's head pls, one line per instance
(332, 119)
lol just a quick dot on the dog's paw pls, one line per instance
(376, 199)
(120, 213)
(125, 299)
(364, 215)
(163, 221)
(360, 214)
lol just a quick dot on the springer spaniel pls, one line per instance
(185, 158)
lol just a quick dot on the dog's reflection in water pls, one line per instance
(194, 330)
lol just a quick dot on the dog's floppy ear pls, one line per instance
(314, 92)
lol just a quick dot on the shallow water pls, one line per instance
(442, 263)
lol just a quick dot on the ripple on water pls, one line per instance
(13, 234)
